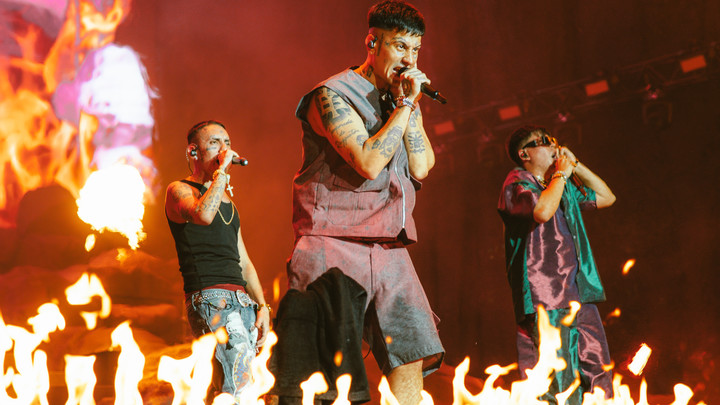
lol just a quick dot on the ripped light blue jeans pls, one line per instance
(211, 309)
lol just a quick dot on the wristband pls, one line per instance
(404, 101)
(219, 172)
(269, 308)
(559, 174)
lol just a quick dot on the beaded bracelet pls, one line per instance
(265, 306)
(404, 101)
(559, 174)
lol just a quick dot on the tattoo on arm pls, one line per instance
(415, 141)
(389, 143)
(331, 107)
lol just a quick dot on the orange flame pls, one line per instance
(112, 199)
(628, 265)
(314, 385)
(190, 377)
(130, 366)
(81, 293)
(640, 360)
(80, 379)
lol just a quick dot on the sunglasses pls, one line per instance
(544, 140)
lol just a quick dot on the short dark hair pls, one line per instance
(394, 14)
(516, 140)
(192, 133)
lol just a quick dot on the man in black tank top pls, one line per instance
(222, 289)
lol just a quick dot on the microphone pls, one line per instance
(239, 161)
(236, 161)
(427, 89)
(578, 183)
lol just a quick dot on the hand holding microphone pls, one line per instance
(425, 86)
(563, 151)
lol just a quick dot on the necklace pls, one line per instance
(231, 216)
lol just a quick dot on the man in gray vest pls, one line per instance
(364, 149)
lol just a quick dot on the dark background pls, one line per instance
(247, 63)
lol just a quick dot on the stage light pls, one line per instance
(509, 112)
(595, 88)
(694, 63)
(444, 128)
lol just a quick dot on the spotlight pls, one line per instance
(444, 127)
(595, 88)
(509, 112)
(562, 116)
(653, 92)
(693, 63)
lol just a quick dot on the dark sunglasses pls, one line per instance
(544, 140)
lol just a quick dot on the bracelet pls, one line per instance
(403, 101)
(269, 308)
(559, 174)
(219, 172)
(577, 162)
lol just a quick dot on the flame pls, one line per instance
(628, 265)
(640, 360)
(30, 380)
(313, 386)
(130, 366)
(112, 199)
(343, 386)
(614, 314)
(190, 377)
(92, 124)
(574, 308)
(262, 378)
(80, 379)
(81, 293)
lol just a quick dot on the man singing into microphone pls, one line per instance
(549, 261)
(222, 289)
(364, 150)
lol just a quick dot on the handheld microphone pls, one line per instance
(427, 89)
(579, 184)
(236, 161)
(239, 161)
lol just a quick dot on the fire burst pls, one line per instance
(84, 106)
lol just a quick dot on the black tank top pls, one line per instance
(208, 254)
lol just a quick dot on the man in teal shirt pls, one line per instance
(549, 260)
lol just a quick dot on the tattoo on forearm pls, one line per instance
(345, 135)
(331, 108)
(389, 143)
(415, 141)
(361, 138)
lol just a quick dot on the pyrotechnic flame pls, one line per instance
(343, 387)
(81, 293)
(640, 359)
(683, 393)
(262, 378)
(338, 358)
(628, 265)
(112, 199)
(386, 395)
(31, 381)
(130, 366)
(574, 308)
(314, 385)
(614, 314)
(276, 289)
(80, 379)
(190, 377)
